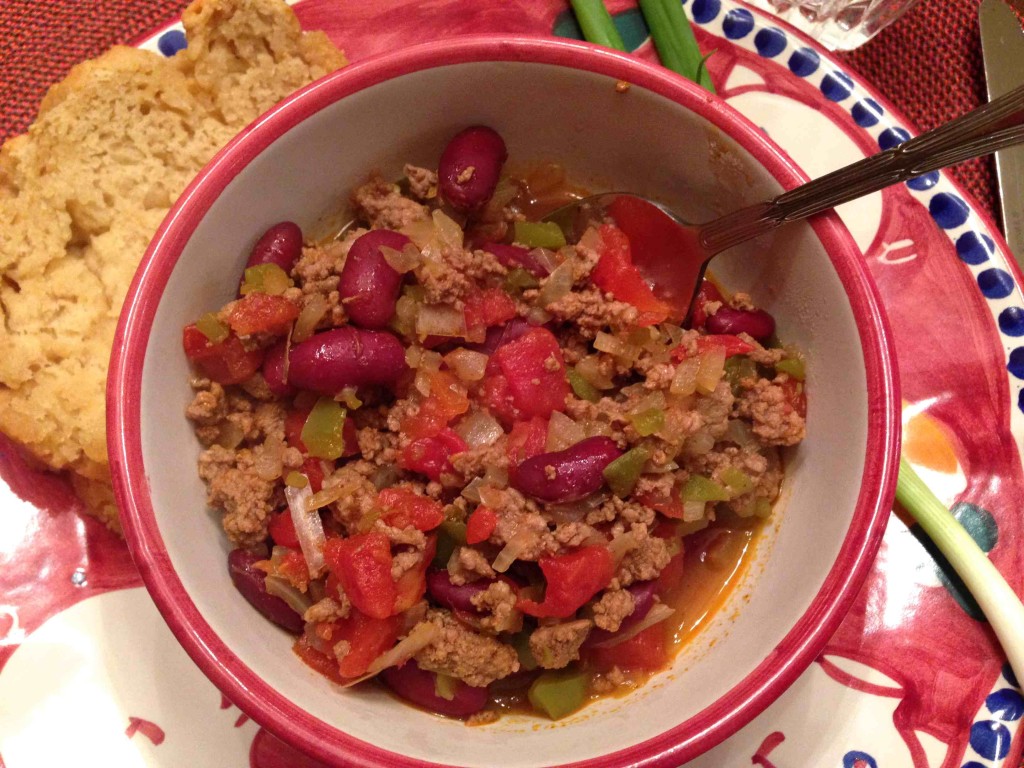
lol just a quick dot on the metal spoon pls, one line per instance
(678, 267)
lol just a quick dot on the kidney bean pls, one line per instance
(281, 245)
(418, 686)
(577, 470)
(251, 582)
(346, 357)
(513, 256)
(756, 322)
(274, 371)
(470, 166)
(369, 285)
(458, 597)
(643, 599)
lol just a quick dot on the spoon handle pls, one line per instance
(989, 128)
(996, 598)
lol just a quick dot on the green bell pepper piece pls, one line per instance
(582, 388)
(559, 693)
(792, 366)
(648, 422)
(323, 431)
(622, 474)
(736, 481)
(450, 534)
(265, 278)
(519, 280)
(539, 234)
(700, 488)
(212, 328)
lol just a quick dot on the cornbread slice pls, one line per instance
(83, 191)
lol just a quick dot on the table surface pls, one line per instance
(928, 63)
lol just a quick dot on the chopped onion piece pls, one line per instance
(592, 239)
(712, 366)
(613, 345)
(448, 231)
(510, 552)
(420, 637)
(739, 432)
(405, 260)
(326, 496)
(479, 429)
(279, 587)
(230, 435)
(314, 307)
(654, 401)
(437, 320)
(684, 382)
(563, 432)
(472, 490)
(590, 369)
(467, 364)
(674, 333)
(693, 511)
(309, 529)
(622, 544)
(420, 232)
(546, 258)
(658, 613)
(538, 316)
(496, 476)
(556, 285)
(699, 443)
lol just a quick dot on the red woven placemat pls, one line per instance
(928, 63)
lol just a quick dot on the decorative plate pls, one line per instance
(89, 674)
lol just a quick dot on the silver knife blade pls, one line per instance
(1002, 47)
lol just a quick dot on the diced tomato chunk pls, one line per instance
(447, 400)
(430, 455)
(669, 507)
(491, 306)
(733, 345)
(795, 395)
(671, 576)
(572, 579)
(262, 313)
(294, 570)
(616, 274)
(362, 564)
(708, 292)
(317, 660)
(368, 637)
(412, 585)
(282, 530)
(481, 525)
(534, 376)
(647, 650)
(228, 362)
(527, 439)
(404, 508)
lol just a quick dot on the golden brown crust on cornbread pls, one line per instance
(82, 193)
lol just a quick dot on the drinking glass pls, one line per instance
(837, 24)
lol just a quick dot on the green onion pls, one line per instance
(622, 474)
(212, 328)
(582, 388)
(265, 278)
(648, 422)
(793, 367)
(539, 234)
(597, 24)
(674, 39)
(323, 432)
(994, 596)
(559, 693)
(703, 489)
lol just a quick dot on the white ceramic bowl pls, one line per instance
(550, 100)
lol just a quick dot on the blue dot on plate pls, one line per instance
(1020, 400)
(995, 283)
(857, 759)
(837, 86)
(990, 739)
(737, 23)
(925, 181)
(867, 112)
(974, 248)
(172, 41)
(1006, 704)
(770, 42)
(804, 62)
(1011, 321)
(948, 210)
(892, 137)
(706, 10)
(973, 764)
(1015, 365)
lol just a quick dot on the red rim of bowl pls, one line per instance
(229, 673)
